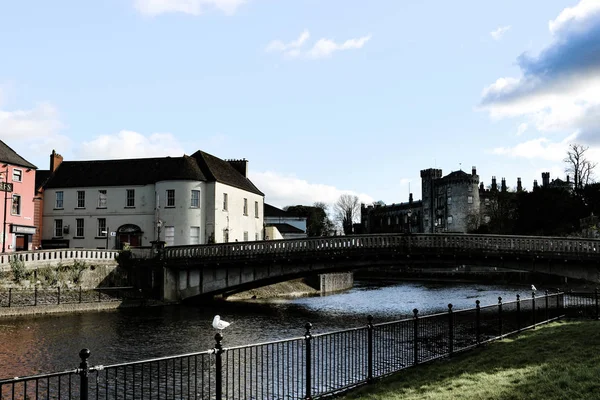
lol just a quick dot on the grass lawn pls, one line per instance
(553, 362)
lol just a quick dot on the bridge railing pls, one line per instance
(41, 256)
(405, 243)
(311, 366)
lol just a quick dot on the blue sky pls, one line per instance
(322, 97)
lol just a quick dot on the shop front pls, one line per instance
(23, 236)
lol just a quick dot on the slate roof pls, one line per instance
(136, 171)
(457, 175)
(41, 176)
(223, 172)
(286, 228)
(272, 211)
(9, 156)
(143, 171)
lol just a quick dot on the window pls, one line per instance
(449, 200)
(256, 209)
(102, 232)
(225, 235)
(58, 228)
(17, 175)
(80, 199)
(195, 203)
(487, 202)
(470, 188)
(224, 201)
(194, 235)
(130, 202)
(450, 219)
(245, 236)
(102, 198)
(59, 199)
(397, 220)
(169, 235)
(16, 205)
(79, 227)
(245, 206)
(170, 198)
(486, 219)
(449, 191)
(470, 199)
(256, 236)
(389, 221)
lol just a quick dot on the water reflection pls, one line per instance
(50, 343)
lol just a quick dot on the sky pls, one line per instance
(322, 97)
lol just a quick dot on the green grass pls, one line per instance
(553, 362)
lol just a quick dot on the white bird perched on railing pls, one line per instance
(218, 323)
(533, 288)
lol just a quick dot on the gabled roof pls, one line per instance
(272, 211)
(9, 156)
(286, 228)
(137, 171)
(223, 172)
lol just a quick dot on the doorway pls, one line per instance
(129, 234)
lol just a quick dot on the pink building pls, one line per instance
(17, 191)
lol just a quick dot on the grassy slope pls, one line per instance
(556, 361)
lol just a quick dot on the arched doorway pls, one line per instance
(129, 233)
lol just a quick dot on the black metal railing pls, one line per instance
(307, 367)
(14, 297)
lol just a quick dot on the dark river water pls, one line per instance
(30, 345)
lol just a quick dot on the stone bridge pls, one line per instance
(189, 271)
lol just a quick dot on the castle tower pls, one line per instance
(519, 185)
(545, 178)
(428, 194)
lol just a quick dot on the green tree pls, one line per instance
(317, 220)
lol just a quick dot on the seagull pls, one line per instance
(218, 323)
(532, 288)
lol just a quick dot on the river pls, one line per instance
(30, 345)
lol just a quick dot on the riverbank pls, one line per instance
(295, 288)
(553, 362)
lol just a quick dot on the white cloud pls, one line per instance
(129, 144)
(192, 7)
(558, 88)
(574, 17)
(498, 33)
(521, 129)
(42, 121)
(322, 48)
(540, 148)
(281, 190)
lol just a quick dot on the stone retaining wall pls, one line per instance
(330, 283)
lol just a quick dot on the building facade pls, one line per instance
(283, 225)
(16, 198)
(185, 200)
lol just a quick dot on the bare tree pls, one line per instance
(579, 166)
(346, 211)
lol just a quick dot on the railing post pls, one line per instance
(308, 362)
(416, 336)
(477, 322)
(83, 374)
(518, 313)
(35, 295)
(547, 309)
(218, 367)
(533, 306)
(9, 296)
(500, 316)
(58, 292)
(370, 349)
(450, 330)
(597, 305)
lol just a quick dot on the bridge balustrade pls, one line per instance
(438, 243)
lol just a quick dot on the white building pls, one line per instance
(281, 224)
(194, 199)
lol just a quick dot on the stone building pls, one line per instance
(394, 218)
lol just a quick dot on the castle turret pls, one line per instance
(545, 178)
(519, 186)
(494, 184)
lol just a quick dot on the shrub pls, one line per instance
(49, 275)
(18, 269)
(76, 269)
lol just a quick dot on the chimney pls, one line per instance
(545, 178)
(519, 186)
(535, 184)
(240, 166)
(494, 184)
(473, 171)
(55, 160)
(503, 185)
(410, 199)
(481, 187)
